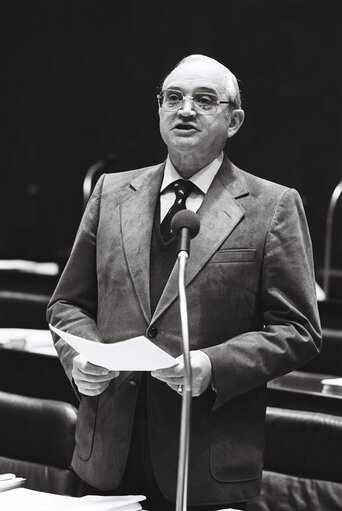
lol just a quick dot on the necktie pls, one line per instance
(182, 189)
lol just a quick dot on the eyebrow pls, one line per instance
(197, 89)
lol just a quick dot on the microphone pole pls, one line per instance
(185, 224)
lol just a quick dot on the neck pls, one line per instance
(188, 165)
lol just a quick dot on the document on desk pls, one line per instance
(10, 481)
(332, 386)
(23, 499)
(135, 354)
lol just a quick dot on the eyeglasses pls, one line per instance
(204, 103)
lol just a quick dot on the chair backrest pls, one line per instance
(330, 312)
(329, 360)
(37, 442)
(108, 164)
(22, 310)
(303, 462)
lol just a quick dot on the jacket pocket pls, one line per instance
(235, 255)
(85, 426)
(237, 438)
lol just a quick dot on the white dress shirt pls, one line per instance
(202, 179)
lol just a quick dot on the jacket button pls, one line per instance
(134, 383)
(152, 333)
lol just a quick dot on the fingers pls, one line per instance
(200, 369)
(201, 372)
(177, 380)
(177, 369)
(95, 378)
(90, 379)
(173, 376)
(93, 390)
(82, 365)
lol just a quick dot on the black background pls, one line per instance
(79, 81)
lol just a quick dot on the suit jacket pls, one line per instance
(252, 309)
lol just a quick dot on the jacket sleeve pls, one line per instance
(73, 306)
(291, 334)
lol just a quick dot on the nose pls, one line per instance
(187, 108)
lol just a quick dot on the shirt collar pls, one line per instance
(202, 179)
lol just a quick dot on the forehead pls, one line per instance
(190, 76)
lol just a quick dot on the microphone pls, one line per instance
(185, 225)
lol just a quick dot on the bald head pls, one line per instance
(192, 63)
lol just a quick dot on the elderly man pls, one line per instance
(251, 298)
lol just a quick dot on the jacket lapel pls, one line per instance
(137, 216)
(218, 215)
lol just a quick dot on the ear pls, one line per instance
(236, 119)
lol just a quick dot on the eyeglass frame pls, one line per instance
(218, 101)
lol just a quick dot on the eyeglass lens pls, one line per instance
(173, 100)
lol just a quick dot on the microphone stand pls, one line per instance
(183, 459)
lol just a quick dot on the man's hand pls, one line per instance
(201, 373)
(90, 379)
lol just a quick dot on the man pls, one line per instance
(251, 300)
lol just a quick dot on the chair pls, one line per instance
(303, 462)
(23, 310)
(330, 312)
(329, 360)
(21, 372)
(37, 442)
(328, 272)
(302, 389)
(108, 164)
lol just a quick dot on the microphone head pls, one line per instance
(188, 219)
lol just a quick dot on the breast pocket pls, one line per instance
(234, 255)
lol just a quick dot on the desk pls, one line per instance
(34, 368)
(28, 339)
(303, 391)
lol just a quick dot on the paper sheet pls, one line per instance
(332, 381)
(30, 500)
(10, 481)
(135, 354)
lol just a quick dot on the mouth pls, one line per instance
(184, 127)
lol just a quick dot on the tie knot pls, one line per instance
(183, 188)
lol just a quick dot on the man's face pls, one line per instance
(186, 131)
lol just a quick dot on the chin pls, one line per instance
(185, 142)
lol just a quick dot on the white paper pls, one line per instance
(136, 354)
(10, 483)
(23, 499)
(332, 381)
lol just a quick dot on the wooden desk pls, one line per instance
(303, 391)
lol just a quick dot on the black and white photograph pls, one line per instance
(171, 255)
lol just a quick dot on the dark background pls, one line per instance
(79, 81)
